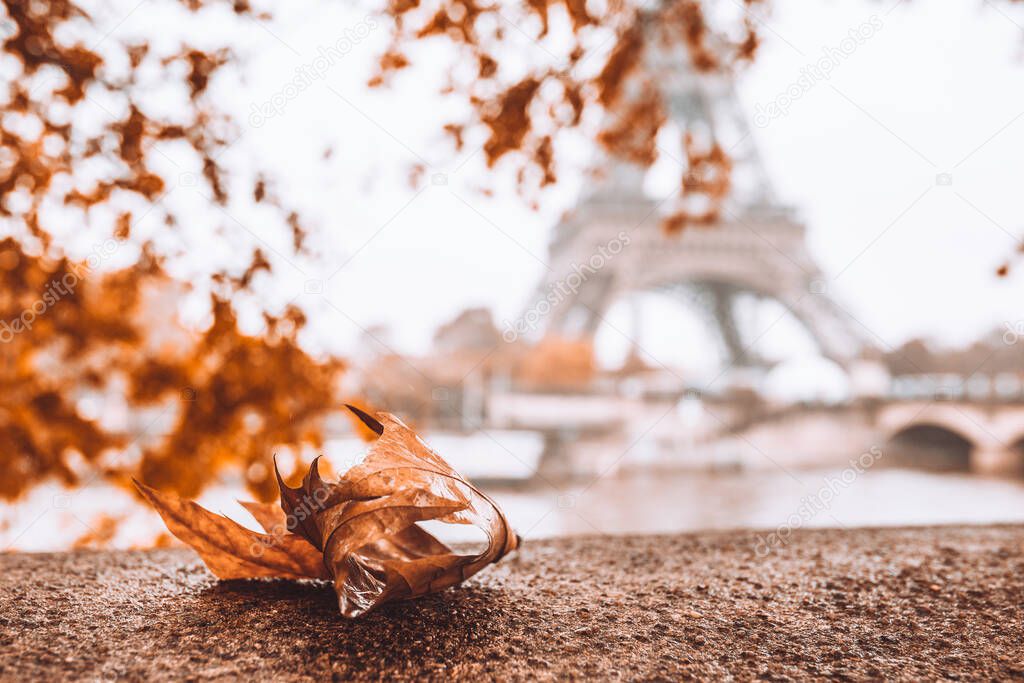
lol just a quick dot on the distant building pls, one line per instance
(472, 330)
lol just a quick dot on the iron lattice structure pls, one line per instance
(757, 246)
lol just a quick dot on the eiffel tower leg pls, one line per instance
(602, 292)
(722, 311)
(579, 315)
(555, 463)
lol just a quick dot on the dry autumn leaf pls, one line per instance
(230, 550)
(362, 532)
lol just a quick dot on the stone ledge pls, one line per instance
(912, 603)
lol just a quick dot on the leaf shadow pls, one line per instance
(312, 605)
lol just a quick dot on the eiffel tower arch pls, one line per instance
(757, 247)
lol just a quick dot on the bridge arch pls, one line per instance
(722, 282)
(761, 253)
(931, 446)
(714, 296)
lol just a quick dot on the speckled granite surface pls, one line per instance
(926, 603)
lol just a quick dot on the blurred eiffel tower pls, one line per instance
(756, 248)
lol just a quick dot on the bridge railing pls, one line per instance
(1002, 387)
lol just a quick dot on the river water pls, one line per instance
(665, 502)
(641, 502)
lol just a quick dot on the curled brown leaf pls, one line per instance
(362, 531)
(368, 520)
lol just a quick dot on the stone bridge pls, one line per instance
(586, 435)
(991, 434)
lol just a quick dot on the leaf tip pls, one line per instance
(367, 419)
(146, 491)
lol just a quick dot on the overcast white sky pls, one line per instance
(937, 89)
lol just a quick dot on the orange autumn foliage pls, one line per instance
(556, 363)
(174, 405)
(600, 64)
(215, 396)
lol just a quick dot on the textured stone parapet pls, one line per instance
(914, 604)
